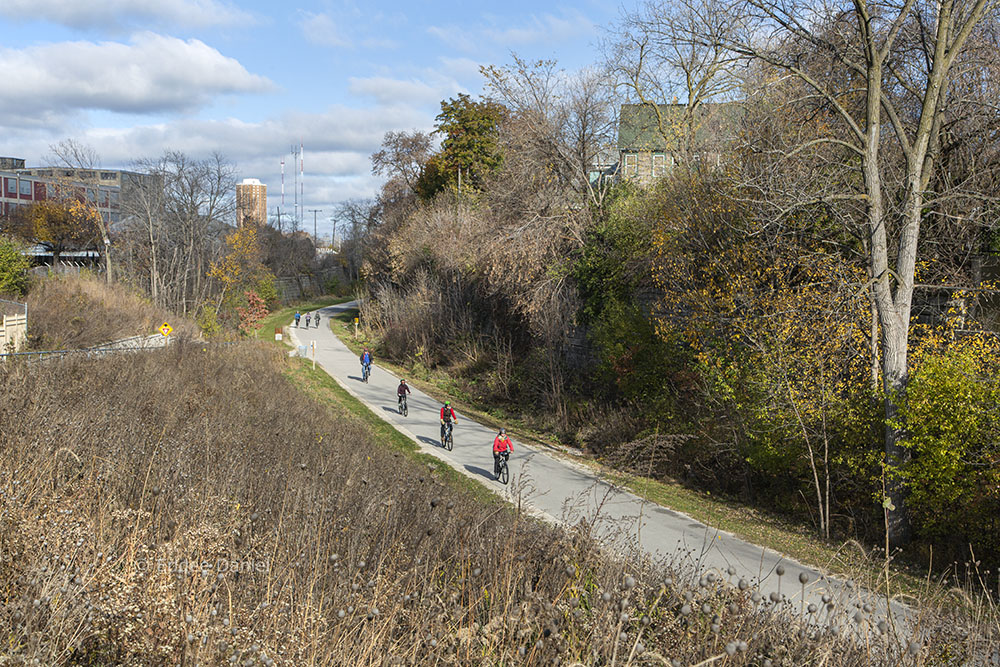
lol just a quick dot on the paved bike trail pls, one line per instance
(566, 492)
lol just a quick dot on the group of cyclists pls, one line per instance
(309, 316)
(502, 446)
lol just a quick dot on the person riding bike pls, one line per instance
(308, 317)
(298, 316)
(401, 391)
(317, 320)
(501, 449)
(366, 361)
(448, 416)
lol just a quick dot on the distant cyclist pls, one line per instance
(401, 391)
(308, 317)
(501, 449)
(448, 417)
(366, 362)
(317, 319)
(298, 316)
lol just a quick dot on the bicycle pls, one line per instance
(365, 372)
(401, 408)
(500, 468)
(447, 441)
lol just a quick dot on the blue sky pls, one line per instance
(133, 78)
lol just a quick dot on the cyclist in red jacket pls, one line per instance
(501, 448)
(447, 417)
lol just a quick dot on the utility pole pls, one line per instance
(314, 211)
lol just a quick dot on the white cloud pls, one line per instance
(462, 68)
(321, 30)
(116, 15)
(543, 29)
(338, 145)
(387, 91)
(152, 73)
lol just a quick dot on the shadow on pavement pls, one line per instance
(394, 411)
(429, 441)
(488, 474)
(355, 377)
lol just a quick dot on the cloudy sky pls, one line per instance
(133, 78)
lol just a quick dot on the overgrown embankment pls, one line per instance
(192, 505)
(69, 312)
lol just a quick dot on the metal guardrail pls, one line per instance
(102, 350)
(131, 344)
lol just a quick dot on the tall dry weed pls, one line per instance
(77, 311)
(190, 506)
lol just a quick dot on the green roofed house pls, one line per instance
(654, 138)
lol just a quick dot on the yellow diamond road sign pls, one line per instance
(165, 329)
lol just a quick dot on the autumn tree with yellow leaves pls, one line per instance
(241, 273)
(59, 225)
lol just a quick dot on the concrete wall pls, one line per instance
(298, 287)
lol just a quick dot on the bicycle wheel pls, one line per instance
(449, 442)
(504, 475)
(406, 410)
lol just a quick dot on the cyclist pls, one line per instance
(317, 319)
(401, 391)
(501, 448)
(298, 316)
(366, 361)
(308, 317)
(448, 416)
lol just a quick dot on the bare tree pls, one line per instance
(176, 217)
(402, 156)
(560, 124)
(357, 217)
(650, 60)
(71, 153)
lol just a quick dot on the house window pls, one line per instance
(11, 186)
(659, 165)
(25, 187)
(631, 164)
(107, 175)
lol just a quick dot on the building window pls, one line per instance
(631, 164)
(114, 198)
(25, 187)
(659, 165)
(11, 186)
(107, 175)
(91, 197)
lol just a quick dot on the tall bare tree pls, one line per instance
(176, 219)
(651, 60)
(76, 155)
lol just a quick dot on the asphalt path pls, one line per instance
(561, 490)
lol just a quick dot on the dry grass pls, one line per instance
(192, 506)
(77, 311)
(189, 506)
